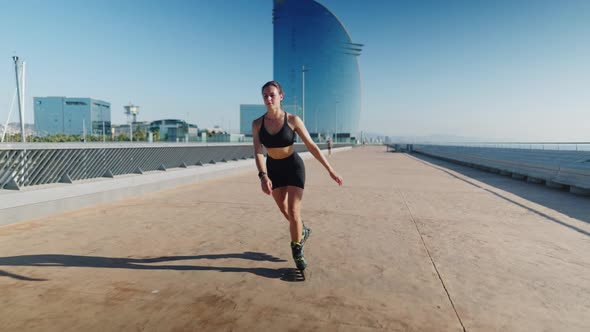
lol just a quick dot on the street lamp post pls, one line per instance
(337, 123)
(303, 92)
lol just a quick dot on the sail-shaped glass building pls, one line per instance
(317, 64)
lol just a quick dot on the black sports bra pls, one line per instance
(285, 136)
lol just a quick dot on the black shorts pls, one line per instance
(288, 171)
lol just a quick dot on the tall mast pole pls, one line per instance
(20, 100)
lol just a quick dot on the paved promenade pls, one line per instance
(407, 244)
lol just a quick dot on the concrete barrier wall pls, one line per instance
(40, 201)
(552, 167)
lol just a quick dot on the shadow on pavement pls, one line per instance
(19, 277)
(56, 260)
(574, 206)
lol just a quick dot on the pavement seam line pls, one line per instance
(432, 260)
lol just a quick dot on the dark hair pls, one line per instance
(273, 83)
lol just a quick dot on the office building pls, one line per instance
(174, 130)
(71, 116)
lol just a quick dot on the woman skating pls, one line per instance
(283, 174)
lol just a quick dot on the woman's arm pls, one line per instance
(265, 182)
(299, 127)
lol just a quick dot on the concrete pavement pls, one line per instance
(407, 244)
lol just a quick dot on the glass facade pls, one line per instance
(317, 65)
(71, 116)
(100, 114)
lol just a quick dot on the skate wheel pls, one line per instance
(296, 275)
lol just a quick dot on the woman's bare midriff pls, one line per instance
(280, 153)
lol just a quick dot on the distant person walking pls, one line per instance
(283, 174)
(329, 146)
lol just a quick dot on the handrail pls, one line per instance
(553, 167)
(567, 146)
(31, 164)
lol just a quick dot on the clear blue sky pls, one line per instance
(501, 70)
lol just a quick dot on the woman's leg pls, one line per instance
(294, 197)
(288, 200)
(280, 196)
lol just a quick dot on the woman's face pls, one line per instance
(272, 97)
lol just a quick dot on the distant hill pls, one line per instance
(373, 137)
(446, 139)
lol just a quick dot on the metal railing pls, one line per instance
(31, 164)
(559, 146)
(555, 166)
